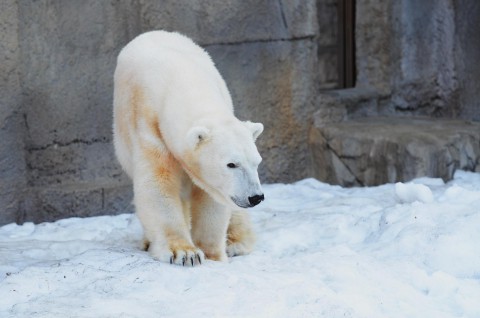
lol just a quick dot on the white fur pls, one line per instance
(174, 134)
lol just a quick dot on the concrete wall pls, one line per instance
(56, 155)
(12, 158)
(278, 57)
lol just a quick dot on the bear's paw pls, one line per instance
(239, 248)
(185, 255)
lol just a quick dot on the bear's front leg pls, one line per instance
(157, 186)
(209, 225)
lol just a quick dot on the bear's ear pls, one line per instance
(196, 135)
(255, 128)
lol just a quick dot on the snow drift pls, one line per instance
(405, 250)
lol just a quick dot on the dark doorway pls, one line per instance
(346, 43)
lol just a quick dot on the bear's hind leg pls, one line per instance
(145, 244)
(240, 235)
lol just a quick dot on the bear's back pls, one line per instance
(159, 49)
(166, 63)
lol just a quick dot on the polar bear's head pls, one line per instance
(224, 160)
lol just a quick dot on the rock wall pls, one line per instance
(467, 48)
(278, 57)
(327, 43)
(417, 67)
(56, 155)
(414, 58)
(423, 67)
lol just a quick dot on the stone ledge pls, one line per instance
(373, 151)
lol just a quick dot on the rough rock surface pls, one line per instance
(467, 47)
(406, 50)
(373, 151)
(12, 161)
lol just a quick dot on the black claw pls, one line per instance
(184, 259)
(199, 259)
(191, 260)
(171, 259)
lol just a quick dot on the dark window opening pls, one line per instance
(346, 43)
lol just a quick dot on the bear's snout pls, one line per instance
(256, 199)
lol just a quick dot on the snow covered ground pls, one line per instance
(405, 250)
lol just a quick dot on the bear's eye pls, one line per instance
(232, 165)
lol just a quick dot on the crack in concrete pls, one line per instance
(103, 198)
(50, 170)
(102, 140)
(282, 14)
(340, 158)
(299, 38)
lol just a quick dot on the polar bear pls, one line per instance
(192, 162)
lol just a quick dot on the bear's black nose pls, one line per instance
(256, 199)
